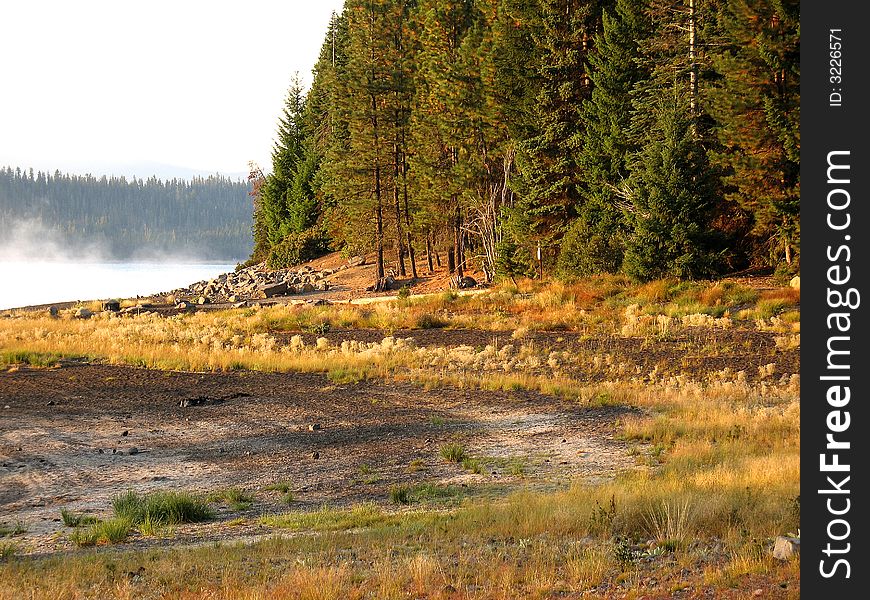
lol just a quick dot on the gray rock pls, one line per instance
(467, 282)
(83, 313)
(784, 548)
(270, 290)
(112, 305)
(52, 310)
(184, 306)
(132, 451)
(356, 261)
(307, 287)
(203, 300)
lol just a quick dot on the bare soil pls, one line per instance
(66, 436)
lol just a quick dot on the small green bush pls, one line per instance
(296, 248)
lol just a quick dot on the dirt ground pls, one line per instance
(74, 436)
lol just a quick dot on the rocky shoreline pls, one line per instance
(253, 283)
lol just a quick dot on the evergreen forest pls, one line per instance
(207, 219)
(654, 138)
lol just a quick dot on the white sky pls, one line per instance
(90, 84)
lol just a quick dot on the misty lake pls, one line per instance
(25, 283)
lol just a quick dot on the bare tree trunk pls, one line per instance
(379, 210)
(429, 251)
(400, 248)
(411, 254)
(457, 241)
(451, 260)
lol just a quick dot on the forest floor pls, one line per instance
(600, 440)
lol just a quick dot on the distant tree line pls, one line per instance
(207, 217)
(658, 138)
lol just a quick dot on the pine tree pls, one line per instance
(361, 176)
(595, 242)
(547, 186)
(757, 110)
(286, 154)
(438, 120)
(672, 196)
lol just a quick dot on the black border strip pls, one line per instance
(835, 229)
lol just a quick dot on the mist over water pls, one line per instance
(38, 268)
(39, 282)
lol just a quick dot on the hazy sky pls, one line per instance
(88, 84)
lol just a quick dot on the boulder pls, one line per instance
(356, 261)
(784, 548)
(203, 300)
(112, 305)
(307, 287)
(184, 306)
(466, 282)
(83, 313)
(795, 282)
(52, 310)
(269, 290)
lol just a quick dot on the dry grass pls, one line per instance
(721, 455)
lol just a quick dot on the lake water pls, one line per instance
(25, 283)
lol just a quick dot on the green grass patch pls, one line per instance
(236, 498)
(164, 508)
(453, 452)
(111, 531)
(472, 464)
(70, 519)
(344, 375)
(429, 321)
(365, 515)
(33, 359)
(11, 530)
(426, 493)
(279, 486)
(8, 550)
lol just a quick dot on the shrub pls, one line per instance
(588, 251)
(296, 248)
(404, 292)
